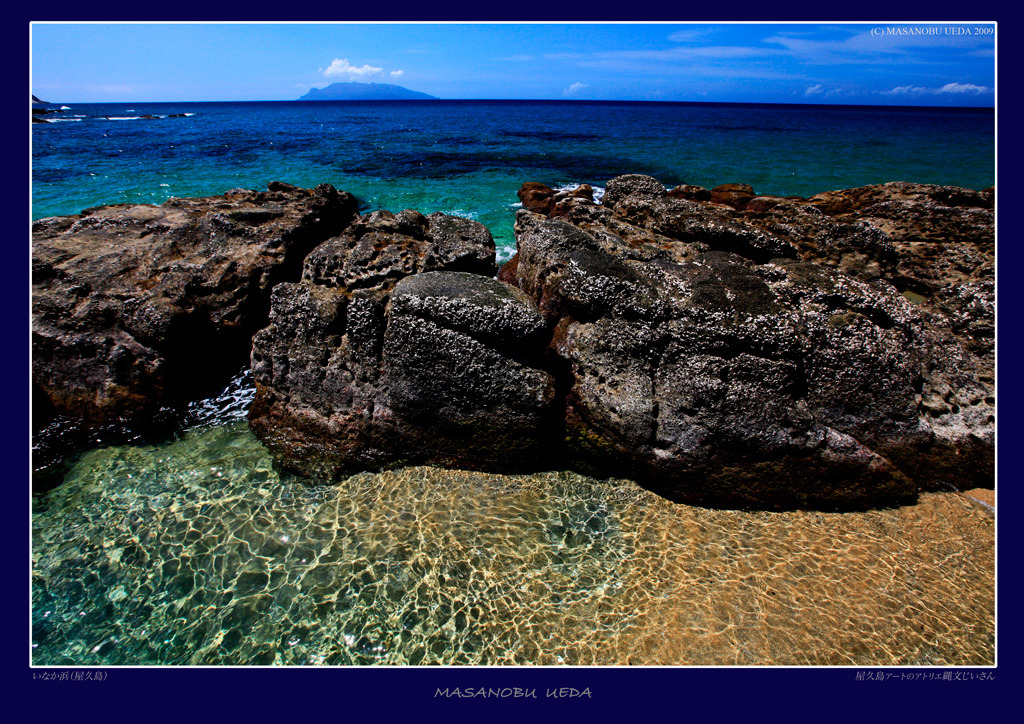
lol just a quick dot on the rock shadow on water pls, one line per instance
(61, 440)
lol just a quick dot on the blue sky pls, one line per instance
(872, 63)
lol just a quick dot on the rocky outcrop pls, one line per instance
(719, 347)
(760, 355)
(934, 244)
(943, 252)
(536, 197)
(735, 195)
(545, 200)
(37, 112)
(399, 347)
(137, 307)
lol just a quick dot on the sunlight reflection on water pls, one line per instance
(199, 552)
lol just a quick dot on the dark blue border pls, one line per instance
(684, 695)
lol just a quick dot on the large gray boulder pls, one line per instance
(418, 356)
(707, 357)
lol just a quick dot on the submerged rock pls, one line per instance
(137, 307)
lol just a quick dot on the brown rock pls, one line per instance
(537, 197)
(690, 192)
(507, 273)
(138, 307)
(734, 195)
(936, 244)
(702, 362)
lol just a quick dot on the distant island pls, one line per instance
(365, 92)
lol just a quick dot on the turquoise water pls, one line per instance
(470, 157)
(194, 549)
(197, 552)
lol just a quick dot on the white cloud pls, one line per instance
(692, 61)
(964, 88)
(904, 90)
(678, 53)
(818, 90)
(341, 66)
(874, 46)
(687, 36)
(574, 89)
(397, 73)
(859, 48)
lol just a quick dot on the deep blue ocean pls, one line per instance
(196, 550)
(470, 157)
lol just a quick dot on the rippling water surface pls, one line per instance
(469, 158)
(198, 552)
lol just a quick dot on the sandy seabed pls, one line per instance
(199, 552)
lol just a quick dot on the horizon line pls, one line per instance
(534, 100)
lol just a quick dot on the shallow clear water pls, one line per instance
(198, 552)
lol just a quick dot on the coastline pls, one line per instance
(200, 550)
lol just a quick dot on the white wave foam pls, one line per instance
(65, 108)
(64, 120)
(598, 190)
(504, 253)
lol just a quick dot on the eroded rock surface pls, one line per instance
(398, 346)
(761, 352)
(137, 307)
